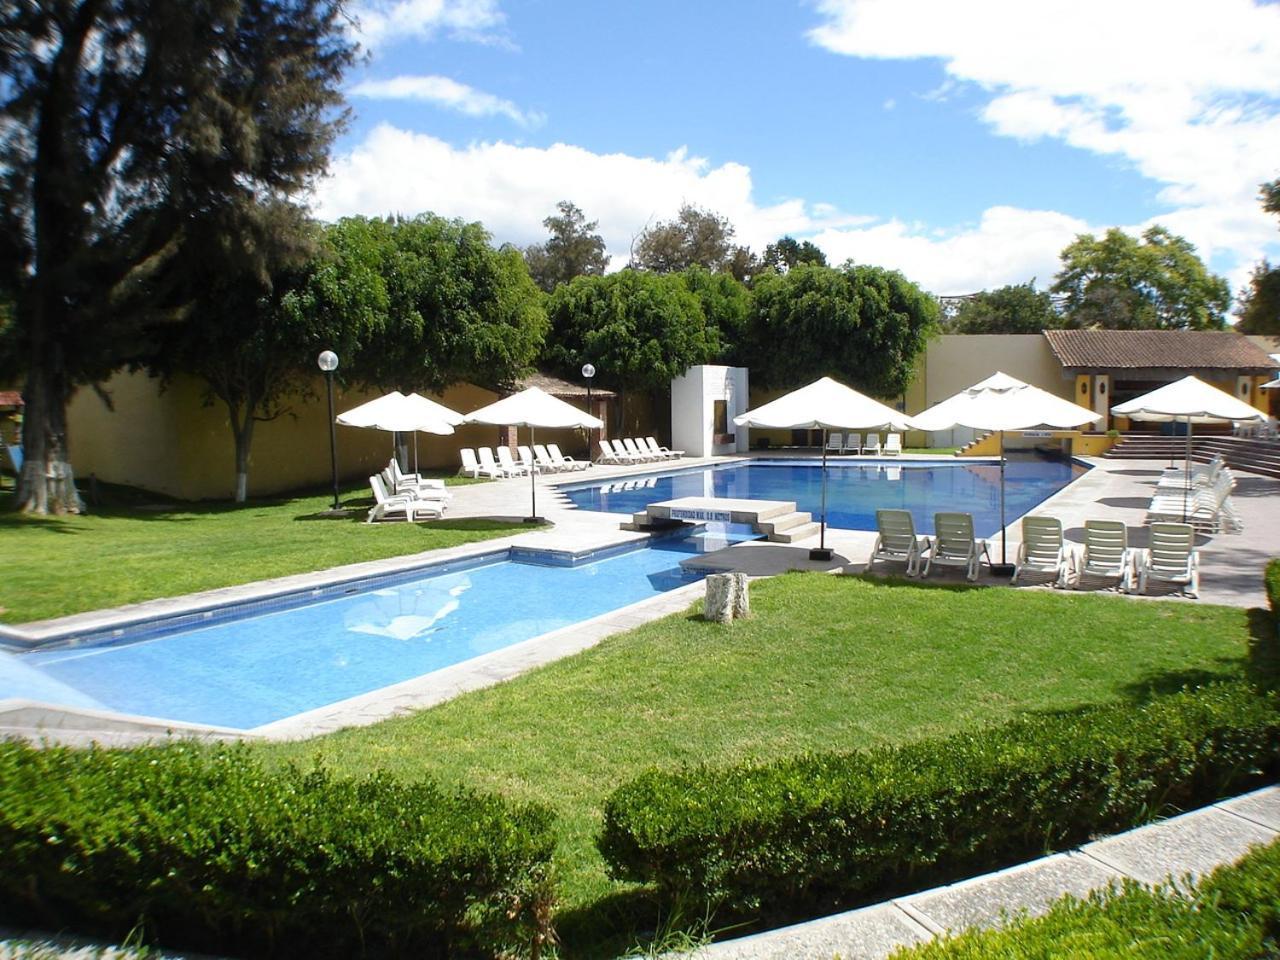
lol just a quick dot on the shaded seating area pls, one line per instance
(409, 505)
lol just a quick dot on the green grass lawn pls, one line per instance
(135, 547)
(824, 663)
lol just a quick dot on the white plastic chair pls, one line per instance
(608, 454)
(472, 468)
(489, 467)
(660, 451)
(563, 462)
(897, 541)
(1172, 557)
(954, 544)
(1106, 554)
(508, 463)
(893, 445)
(872, 444)
(835, 441)
(852, 443)
(1042, 550)
(386, 504)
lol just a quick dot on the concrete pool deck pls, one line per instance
(1231, 573)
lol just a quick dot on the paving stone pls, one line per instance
(985, 901)
(1194, 843)
(866, 934)
(1261, 806)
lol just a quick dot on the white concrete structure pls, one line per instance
(704, 402)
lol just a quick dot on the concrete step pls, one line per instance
(791, 535)
(784, 522)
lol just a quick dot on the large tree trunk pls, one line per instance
(242, 430)
(46, 484)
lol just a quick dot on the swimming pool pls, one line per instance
(257, 666)
(855, 490)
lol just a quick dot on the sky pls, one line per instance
(964, 144)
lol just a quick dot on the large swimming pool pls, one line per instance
(253, 667)
(855, 490)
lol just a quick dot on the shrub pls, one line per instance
(821, 830)
(1273, 588)
(1230, 916)
(204, 848)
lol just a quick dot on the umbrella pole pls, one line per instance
(1186, 481)
(1003, 568)
(533, 477)
(415, 454)
(822, 553)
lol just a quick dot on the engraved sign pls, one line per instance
(722, 516)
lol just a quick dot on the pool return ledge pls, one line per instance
(778, 520)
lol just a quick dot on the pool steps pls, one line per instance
(776, 519)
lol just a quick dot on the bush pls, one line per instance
(822, 830)
(1273, 588)
(205, 849)
(1230, 916)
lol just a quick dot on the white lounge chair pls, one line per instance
(472, 468)
(563, 462)
(852, 443)
(491, 468)
(638, 455)
(897, 541)
(954, 544)
(1042, 550)
(835, 441)
(543, 459)
(1172, 557)
(526, 458)
(661, 451)
(893, 445)
(508, 463)
(871, 445)
(1106, 553)
(607, 454)
(401, 482)
(411, 506)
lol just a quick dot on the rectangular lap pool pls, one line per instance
(294, 654)
(855, 490)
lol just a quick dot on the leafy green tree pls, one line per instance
(865, 326)
(1119, 282)
(137, 138)
(574, 250)
(1259, 307)
(788, 252)
(639, 329)
(695, 237)
(726, 306)
(1017, 308)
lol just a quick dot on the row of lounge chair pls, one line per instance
(1205, 503)
(853, 443)
(541, 458)
(635, 450)
(412, 496)
(1106, 554)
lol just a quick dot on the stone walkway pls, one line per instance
(1189, 845)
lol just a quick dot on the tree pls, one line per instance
(787, 252)
(639, 329)
(574, 250)
(1159, 283)
(1017, 308)
(726, 306)
(863, 325)
(695, 237)
(1259, 306)
(139, 137)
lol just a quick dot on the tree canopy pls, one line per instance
(139, 138)
(865, 326)
(574, 250)
(726, 306)
(1017, 308)
(639, 329)
(696, 237)
(1158, 282)
(1259, 307)
(787, 252)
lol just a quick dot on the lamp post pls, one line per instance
(328, 362)
(589, 371)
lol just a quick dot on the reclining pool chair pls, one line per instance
(1106, 554)
(666, 453)
(473, 468)
(852, 443)
(1042, 550)
(871, 446)
(508, 463)
(412, 506)
(897, 541)
(563, 462)
(954, 545)
(608, 455)
(893, 445)
(399, 483)
(1171, 558)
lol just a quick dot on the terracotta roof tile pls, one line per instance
(561, 388)
(1163, 349)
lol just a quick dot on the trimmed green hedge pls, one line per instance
(1273, 588)
(206, 849)
(1233, 914)
(818, 831)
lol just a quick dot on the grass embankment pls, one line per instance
(134, 546)
(825, 663)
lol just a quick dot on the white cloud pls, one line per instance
(1187, 92)
(389, 21)
(446, 93)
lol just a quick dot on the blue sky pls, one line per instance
(964, 144)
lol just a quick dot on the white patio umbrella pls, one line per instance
(1001, 403)
(397, 413)
(533, 408)
(824, 405)
(1190, 401)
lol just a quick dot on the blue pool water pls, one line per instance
(246, 672)
(855, 491)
